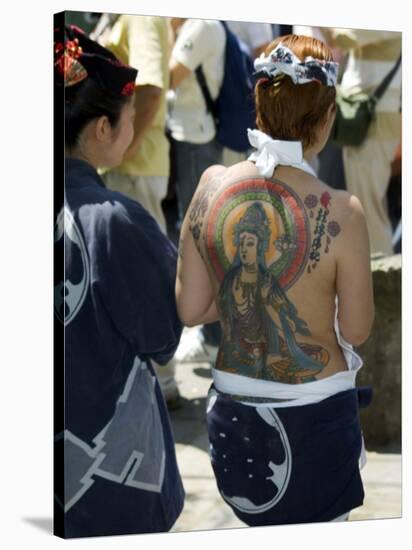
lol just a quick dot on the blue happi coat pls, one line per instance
(118, 308)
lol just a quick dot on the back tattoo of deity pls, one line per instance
(257, 234)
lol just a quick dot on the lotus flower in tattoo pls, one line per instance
(333, 229)
(284, 243)
(311, 201)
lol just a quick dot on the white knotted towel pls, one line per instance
(272, 152)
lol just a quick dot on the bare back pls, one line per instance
(271, 249)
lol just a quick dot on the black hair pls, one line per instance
(86, 101)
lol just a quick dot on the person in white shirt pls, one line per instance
(256, 36)
(191, 126)
(192, 130)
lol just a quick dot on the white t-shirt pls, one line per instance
(198, 42)
(254, 35)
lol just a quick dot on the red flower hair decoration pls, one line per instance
(128, 89)
(68, 63)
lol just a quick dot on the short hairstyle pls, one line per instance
(289, 111)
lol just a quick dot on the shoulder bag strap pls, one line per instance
(210, 104)
(380, 90)
(200, 76)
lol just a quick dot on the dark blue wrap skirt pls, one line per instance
(297, 464)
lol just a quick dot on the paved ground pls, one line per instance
(205, 509)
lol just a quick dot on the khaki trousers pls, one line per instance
(367, 173)
(149, 191)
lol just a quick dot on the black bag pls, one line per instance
(354, 114)
(233, 110)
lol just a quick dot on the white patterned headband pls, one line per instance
(282, 60)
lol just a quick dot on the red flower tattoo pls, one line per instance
(325, 199)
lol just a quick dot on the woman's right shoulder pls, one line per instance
(347, 212)
(349, 208)
(344, 204)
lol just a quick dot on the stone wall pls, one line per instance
(381, 421)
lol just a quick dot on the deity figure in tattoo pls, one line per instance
(261, 323)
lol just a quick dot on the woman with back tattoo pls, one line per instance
(283, 261)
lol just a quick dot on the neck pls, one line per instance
(77, 153)
(309, 154)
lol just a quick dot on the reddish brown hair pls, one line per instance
(289, 111)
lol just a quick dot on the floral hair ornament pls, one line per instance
(282, 60)
(67, 62)
(77, 57)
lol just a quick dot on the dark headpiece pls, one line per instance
(79, 58)
(255, 221)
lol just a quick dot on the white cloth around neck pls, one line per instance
(274, 152)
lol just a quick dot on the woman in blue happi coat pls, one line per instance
(115, 302)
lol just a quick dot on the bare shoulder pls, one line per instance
(206, 189)
(209, 175)
(223, 175)
(347, 207)
(339, 212)
(345, 204)
(349, 214)
(345, 200)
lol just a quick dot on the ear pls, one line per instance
(103, 130)
(330, 115)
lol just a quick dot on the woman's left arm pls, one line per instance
(194, 295)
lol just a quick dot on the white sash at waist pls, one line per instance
(295, 394)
